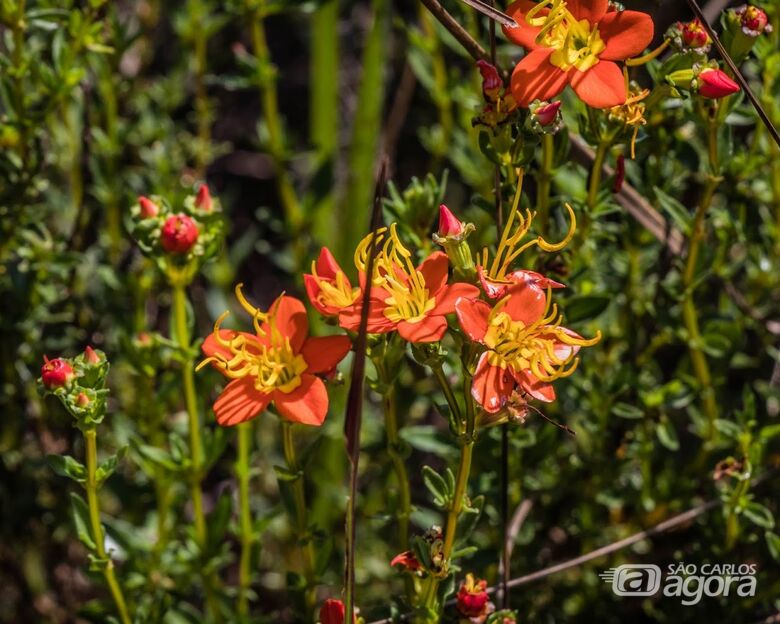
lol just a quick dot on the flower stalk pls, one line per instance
(544, 180)
(245, 517)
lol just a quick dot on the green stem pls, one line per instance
(299, 500)
(245, 517)
(449, 395)
(393, 445)
(91, 485)
(595, 175)
(544, 180)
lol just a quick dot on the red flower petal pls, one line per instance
(525, 34)
(313, 291)
(378, 323)
(307, 404)
(626, 34)
(535, 78)
(434, 270)
(491, 386)
(537, 389)
(323, 353)
(327, 267)
(473, 317)
(526, 303)
(445, 300)
(602, 86)
(239, 402)
(290, 320)
(591, 10)
(211, 347)
(429, 329)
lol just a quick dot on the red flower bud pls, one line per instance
(472, 599)
(82, 400)
(203, 199)
(694, 35)
(406, 560)
(754, 20)
(56, 373)
(716, 84)
(547, 113)
(491, 80)
(448, 223)
(91, 356)
(148, 208)
(332, 612)
(179, 233)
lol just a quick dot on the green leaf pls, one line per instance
(67, 466)
(81, 521)
(437, 486)
(586, 307)
(773, 543)
(285, 474)
(759, 515)
(769, 432)
(675, 210)
(667, 434)
(624, 410)
(157, 456)
(109, 465)
(728, 428)
(467, 522)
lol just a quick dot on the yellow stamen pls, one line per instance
(336, 292)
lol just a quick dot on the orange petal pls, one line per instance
(445, 300)
(473, 317)
(239, 402)
(211, 347)
(429, 329)
(591, 10)
(323, 353)
(525, 34)
(526, 303)
(535, 78)
(378, 323)
(602, 86)
(434, 269)
(491, 386)
(307, 404)
(313, 291)
(327, 267)
(626, 34)
(290, 320)
(539, 390)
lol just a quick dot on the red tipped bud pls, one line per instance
(491, 80)
(179, 234)
(148, 208)
(620, 174)
(406, 560)
(754, 21)
(472, 599)
(332, 612)
(91, 356)
(56, 373)
(203, 200)
(449, 225)
(716, 84)
(547, 113)
(694, 34)
(82, 400)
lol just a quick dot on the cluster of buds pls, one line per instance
(179, 241)
(452, 235)
(545, 117)
(500, 106)
(79, 384)
(473, 601)
(742, 27)
(426, 555)
(690, 37)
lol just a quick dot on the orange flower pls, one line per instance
(575, 42)
(526, 345)
(328, 286)
(278, 363)
(414, 301)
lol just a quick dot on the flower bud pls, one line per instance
(56, 373)
(148, 208)
(179, 233)
(753, 20)
(546, 113)
(714, 84)
(203, 200)
(694, 35)
(406, 560)
(491, 81)
(82, 400)
(449, 225)
(91, 356)
(472, 598)
(452, 236)
(332, 612)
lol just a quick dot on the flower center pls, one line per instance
(336, 292)
(575, 43)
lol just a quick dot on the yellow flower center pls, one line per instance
(409, 300)
(336, 293)
(575, 43)
(532, 347)
(274, 366)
